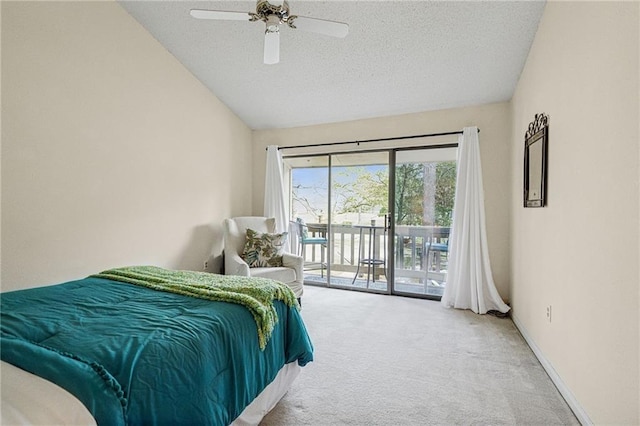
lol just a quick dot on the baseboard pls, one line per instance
(573, 403)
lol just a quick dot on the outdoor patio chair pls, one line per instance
(436, 244)
(314, 236)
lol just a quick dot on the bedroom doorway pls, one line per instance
(375, 221)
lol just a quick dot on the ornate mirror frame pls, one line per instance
(536, 140)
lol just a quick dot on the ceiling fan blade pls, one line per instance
(220, 14)
(271, 47)
(320, 26)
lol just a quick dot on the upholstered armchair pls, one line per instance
(235, 238)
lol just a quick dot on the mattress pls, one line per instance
(31, 400)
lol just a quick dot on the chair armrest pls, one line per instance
(235, 265)
(296, 263)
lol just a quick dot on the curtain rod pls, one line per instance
(428, 135)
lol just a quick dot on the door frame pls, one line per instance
(390, 249)
(392, 210)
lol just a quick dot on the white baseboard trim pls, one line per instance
(573, 403)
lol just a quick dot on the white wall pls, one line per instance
(580, 254)
(494, 121)
(112, 152)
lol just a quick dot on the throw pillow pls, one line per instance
(263, 249)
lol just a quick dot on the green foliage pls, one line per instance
(445, 192)
(409, 191)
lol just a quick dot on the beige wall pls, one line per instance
(494, 122)
(580, 254)
(112, 152)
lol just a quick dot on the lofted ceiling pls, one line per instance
(399, 57)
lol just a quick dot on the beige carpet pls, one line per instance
(386, 360)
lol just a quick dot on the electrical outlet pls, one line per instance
(549, 313)
(206, 265)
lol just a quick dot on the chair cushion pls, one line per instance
(314, 240)
(263, 249)
(285, 275)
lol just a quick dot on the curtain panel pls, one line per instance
(470, 282)
(274, 196)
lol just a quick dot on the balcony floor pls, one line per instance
(432, 289)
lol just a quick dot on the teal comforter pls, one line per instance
(134, 355)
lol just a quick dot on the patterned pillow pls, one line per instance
(263, 249)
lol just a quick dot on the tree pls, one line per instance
(360, 190)
(409, 191)
(364, 189)
(445, 192)
(425, 193)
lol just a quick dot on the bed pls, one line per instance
(145, 345)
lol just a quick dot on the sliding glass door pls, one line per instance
(423, 207)
(308, 181)
(359, 207)
(374, 221)
(339, 210)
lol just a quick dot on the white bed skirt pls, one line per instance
(269, 397)
(28, 399)
(31, 400)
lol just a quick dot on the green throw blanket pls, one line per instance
(256, 294)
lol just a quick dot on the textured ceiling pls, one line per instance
(399, 57)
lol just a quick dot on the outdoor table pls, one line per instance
(370, 260)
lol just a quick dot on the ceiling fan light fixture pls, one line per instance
(273, 13)
(273, 24)
(271, 47)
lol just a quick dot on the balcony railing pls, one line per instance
(421, 252)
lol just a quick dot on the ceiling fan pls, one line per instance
(274, 13)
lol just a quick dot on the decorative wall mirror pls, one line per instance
(536, 140)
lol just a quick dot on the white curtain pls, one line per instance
(469, 280)
(274, 205)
